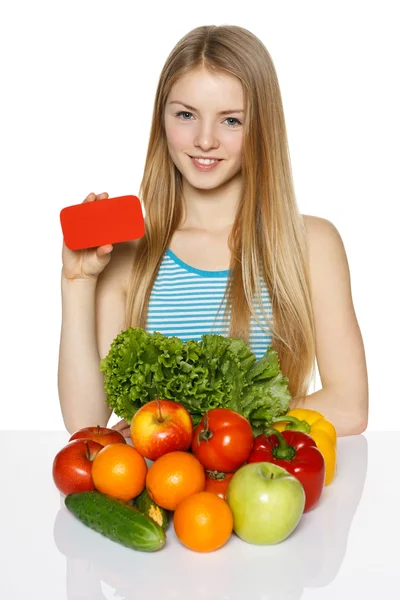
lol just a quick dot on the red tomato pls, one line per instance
(223, 440)
(217, 483)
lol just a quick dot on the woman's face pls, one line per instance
(203, 130)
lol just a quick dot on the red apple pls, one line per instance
(161, 426)
(101, 435)
(72, 466)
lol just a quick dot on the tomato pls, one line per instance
(217, 483)
(223, 440)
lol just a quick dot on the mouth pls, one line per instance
(205, 166)
(218, 159)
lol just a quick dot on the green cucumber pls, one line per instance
(116, 520)
(148, 507)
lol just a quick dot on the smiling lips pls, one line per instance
(204, 164)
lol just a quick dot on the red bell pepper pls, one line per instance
(296, 452)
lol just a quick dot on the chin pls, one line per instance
(209, 181)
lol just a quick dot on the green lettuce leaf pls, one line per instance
(215, 372)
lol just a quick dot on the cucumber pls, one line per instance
(116, 520)
(148, 507)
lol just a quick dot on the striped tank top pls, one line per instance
(184, 302)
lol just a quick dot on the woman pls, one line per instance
(285, 275)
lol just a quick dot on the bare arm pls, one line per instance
(93, 314)
(341, 361)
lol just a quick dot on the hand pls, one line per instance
(123, 427)
(86, 264)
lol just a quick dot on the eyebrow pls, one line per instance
(223, 112)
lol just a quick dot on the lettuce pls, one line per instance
(215, 372)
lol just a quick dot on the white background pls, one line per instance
(78, 81)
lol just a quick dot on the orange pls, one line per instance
(203, 522)
(119, 471)
(173, 477)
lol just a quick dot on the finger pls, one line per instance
(103, 250)
(126, 432)
(90, 197)
(120, 425)
(102, 196)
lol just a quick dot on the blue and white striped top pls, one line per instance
(184, 302)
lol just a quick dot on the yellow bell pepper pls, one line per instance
(322, 431)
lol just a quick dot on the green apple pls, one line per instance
(267, 503)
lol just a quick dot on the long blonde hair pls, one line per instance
(268, 238)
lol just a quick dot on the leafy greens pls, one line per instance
(217, 371)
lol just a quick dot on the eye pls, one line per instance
(182, 112)
(234, 119)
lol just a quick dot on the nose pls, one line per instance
(205, 137)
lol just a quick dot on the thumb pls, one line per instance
(104, 250)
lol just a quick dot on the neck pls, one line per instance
(211, 209)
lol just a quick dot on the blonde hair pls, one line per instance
(268, 238)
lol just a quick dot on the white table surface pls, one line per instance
(347, 547)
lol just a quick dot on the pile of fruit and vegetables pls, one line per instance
(215, 449)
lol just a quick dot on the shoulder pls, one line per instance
(320, 231)
(328, 265)
(325, 244)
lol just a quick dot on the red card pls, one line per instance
(102, 222)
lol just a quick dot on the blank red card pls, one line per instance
(102, 222)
